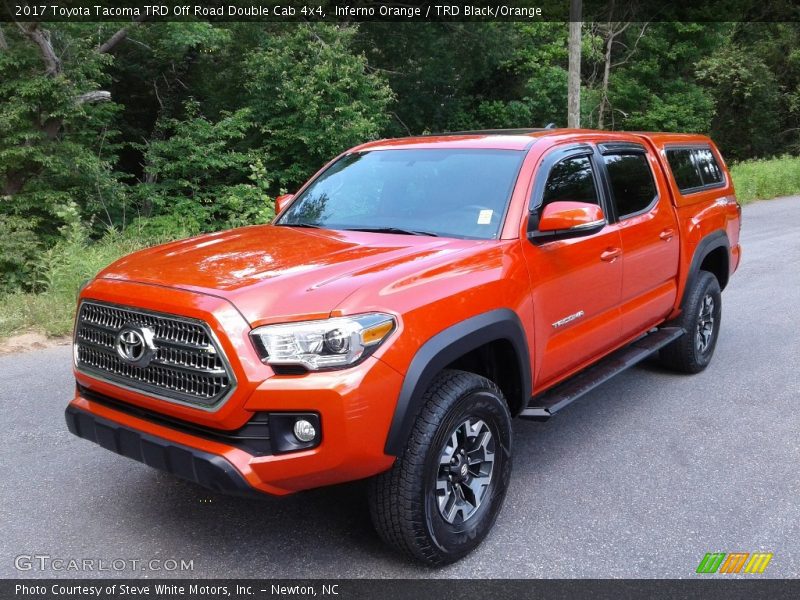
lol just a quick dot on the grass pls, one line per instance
(766, 179)
(61, 272)
(71, 262)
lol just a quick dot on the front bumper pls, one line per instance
(206, 469)
(355, 407)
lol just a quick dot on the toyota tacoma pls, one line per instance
(403, 306)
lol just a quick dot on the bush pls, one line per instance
(198, 176)
(62, 269)
(19, 249)
(766, 179)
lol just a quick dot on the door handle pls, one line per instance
(667, 234)
(611, 254)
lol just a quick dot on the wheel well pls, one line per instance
(498, 362)
(716, 263)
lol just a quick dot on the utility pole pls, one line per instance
(574, 81)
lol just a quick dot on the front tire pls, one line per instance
(442, 496)
(701, 319)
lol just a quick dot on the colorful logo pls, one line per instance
(735, 562)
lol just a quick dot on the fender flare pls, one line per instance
(714, 240)
(444, 348)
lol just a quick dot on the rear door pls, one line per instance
(576, 281)
(647, 224)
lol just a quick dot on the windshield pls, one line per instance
(453, 193)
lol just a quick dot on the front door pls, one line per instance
(576, 281)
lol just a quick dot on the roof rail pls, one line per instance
(491, 131)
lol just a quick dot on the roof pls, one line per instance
(500, 139)
(509, 139)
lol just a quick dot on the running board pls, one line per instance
(543, 406)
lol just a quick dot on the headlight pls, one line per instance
(325, 344)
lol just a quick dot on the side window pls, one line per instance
(632, 185)
(709, 169)
(571, 179)
(684, 169)
(694, 168)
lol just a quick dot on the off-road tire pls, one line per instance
(687, 354)
(404, 502)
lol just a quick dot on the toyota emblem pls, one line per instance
(135, 346)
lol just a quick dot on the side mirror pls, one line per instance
(282, 202)
(568, 219)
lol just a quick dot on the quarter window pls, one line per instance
(694, 168)
(709, 169)
(684, 169)
(571, 179)
(632, 185)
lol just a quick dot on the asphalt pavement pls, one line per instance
(638, 479)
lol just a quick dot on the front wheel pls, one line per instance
(443, 494)
(701, 319)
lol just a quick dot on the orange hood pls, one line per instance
(272, 273)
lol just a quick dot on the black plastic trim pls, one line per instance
(444, 348)
(281, 428)
(208, 470)
(543, 406)
(542, 237)
(517, 131)
(253, 437)
(714, 240)
(546, 165)
(621, 148)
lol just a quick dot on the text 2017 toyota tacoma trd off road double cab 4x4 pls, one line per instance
(404, 305)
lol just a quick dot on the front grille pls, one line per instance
(186, 364)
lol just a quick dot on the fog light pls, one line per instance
(304, 431)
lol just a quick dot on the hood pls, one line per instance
(273, 273)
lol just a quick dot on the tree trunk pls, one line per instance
(574, 81)
(118, 37)
(93, 97)
(41, 37)
(601, 111)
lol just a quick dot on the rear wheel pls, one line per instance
(443, 494)
(701, 318)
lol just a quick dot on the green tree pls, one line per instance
(754, 78)
(653, 84)
(312, 96)
(442, 72)
(57, 140)
(747, 97)
(195, 174)
(193, 126)
(529, 87)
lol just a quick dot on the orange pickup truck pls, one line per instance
(404, 305)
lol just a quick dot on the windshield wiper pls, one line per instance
(393, 230)
(307, 225)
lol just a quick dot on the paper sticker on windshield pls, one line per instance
(485, 217)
